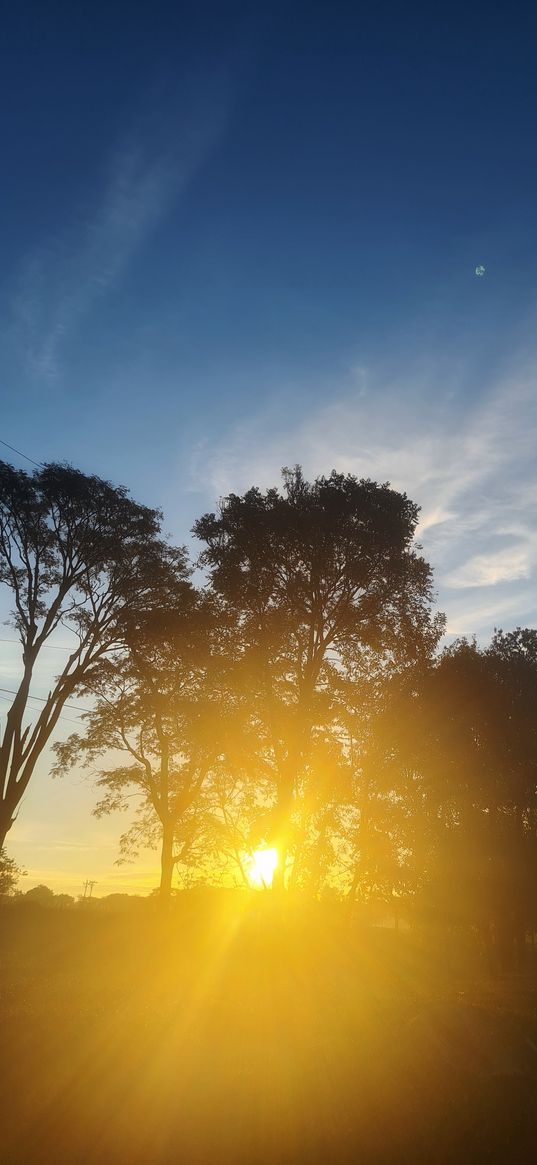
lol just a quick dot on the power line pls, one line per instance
(42, 700)
(34, 712)
(21, 454)
(49, 646)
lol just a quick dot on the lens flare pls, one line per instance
(261, 866)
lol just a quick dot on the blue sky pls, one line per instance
(237, 236)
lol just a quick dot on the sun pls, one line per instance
(261, 866)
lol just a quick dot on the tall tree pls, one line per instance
(316, 577)
(75, 552)
(158, 707)
(460, 748)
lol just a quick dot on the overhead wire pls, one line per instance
(19, 453)
(42, 700)
(66, 719)
(49, 646)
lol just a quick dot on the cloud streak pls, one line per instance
(486, 570)
(60, 283)
(469, 464)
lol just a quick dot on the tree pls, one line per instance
(460, 747)
(371, 839)
(229, 816)
(157, 706)
(9, 874)
(75, 552)
(511, 663)
(317, 578)
(41, 894)
(63, 901)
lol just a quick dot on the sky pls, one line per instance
(238, 236)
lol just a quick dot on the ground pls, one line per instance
(236, 1031)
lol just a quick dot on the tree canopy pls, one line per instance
(155, 708)
(78, 553)
(293, 697)
(322, 579)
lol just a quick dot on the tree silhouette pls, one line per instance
(315, 578)
(459, 744)
(41, 894)
(77, 553)
(156, 704)
(9, 873)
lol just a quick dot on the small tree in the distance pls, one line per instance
(10, 873)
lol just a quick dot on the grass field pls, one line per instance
(232, 1032)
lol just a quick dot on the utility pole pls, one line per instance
(88, 885)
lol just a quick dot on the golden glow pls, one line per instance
(261, 866)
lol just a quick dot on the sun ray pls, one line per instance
(261, 866)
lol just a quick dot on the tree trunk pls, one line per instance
(317, 871)
(280, 833)
(166, 862)
(6, 821)
(350, 898)
(278, 880)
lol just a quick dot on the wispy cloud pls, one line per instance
(61, 282)
(485, 570)
(469, 464)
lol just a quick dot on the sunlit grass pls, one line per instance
(244, 1027)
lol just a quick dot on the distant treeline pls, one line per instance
(295, 698)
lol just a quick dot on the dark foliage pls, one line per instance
(79, 553)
